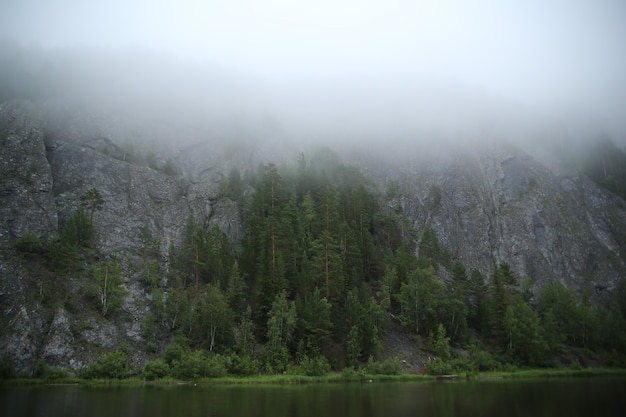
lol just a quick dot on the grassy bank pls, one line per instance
(554, 373)
(329, 378)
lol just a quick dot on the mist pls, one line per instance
(390, 73)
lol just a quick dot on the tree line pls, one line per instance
(326, 267)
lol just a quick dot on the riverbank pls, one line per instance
(329, 378)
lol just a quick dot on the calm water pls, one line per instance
(554, 397)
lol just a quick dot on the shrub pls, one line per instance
(31, 246)
(174, 352)
(316, 366)
(215, 366)
(438, 367)
(438, 343)
(351, 374)
(387, 367)
(7, 370)
(483, 361)
(111, 365)
(242, 365)
(48, 373)
(191, 365)
(156, 369)
(196, 364)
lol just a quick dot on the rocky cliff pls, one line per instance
(488, 205)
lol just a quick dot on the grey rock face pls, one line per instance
(59, 342)
(27, 206)
(501, 205)
(41, 181)
(488, 206)
(26, 201)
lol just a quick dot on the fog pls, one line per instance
(352, 71)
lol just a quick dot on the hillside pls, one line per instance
(273, 252)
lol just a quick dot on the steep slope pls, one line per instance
(489, 205)
(497, 204)
(43, 177)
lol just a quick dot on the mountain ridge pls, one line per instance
(488, 206)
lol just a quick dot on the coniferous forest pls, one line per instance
(325, 269)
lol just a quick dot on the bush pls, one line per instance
(31, 246)
(438, 343)
(48, 373)
(316, 366)
(174, 352)
(452, 367)
(196, 364)
(350, 374)
(275, 360)
(215, 366)
(242, 365)
(439, 367)
(483, 361)
(387, 367)
(156, 369)
(7, 370)
(111, 365)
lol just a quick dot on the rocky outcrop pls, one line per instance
(42, 177)
(498, 204)
(489, 205)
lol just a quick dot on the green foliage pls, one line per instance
(353, 347)
(430, 248)
(198, 364)
(242, 365)
(111, 365)
(482, 360)
(48, 373)
(78, 231)
(93, 201)
(245, 336)
(421, 299)
(439, 344)
(319, 272)
(31, 246)
(149, 254)
(478, 302)
(280, 327)
(237, 290)
(305, 233)
(440, 366)
(205, 257)
(393, 189)
(386, 367)
(313, 366)
(523, 331)
(7, 370)
(175, 351)
(232, 186)
(156, 369)
(557, 308)
(212, 319)
(502, 288)
(362, 311)
(314, 324)
(107, 286)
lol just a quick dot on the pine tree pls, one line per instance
(93, 200)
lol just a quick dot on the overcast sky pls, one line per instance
(541, 52)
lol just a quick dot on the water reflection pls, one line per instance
(568, 397)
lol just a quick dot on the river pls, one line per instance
(596, 396)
